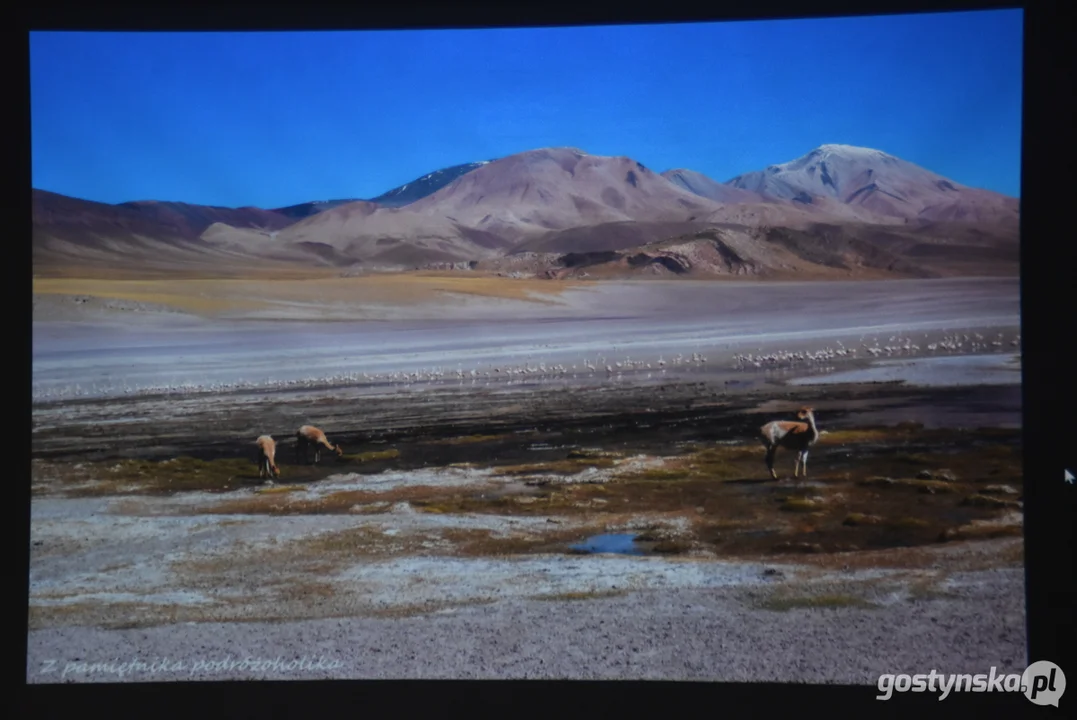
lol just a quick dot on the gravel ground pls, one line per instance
(673, 634)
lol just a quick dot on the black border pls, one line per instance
(1047, 265)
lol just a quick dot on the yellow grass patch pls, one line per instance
(466, 439)
(344, 501)
(580, 595)
(780, 604)
(372, 455)
(800, 504)
(147, 477)
(273, 489)
(841, 437)
(983, 531)
(568, 466)
(209, 296)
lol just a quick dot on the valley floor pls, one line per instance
(556, 525)
(577, 334)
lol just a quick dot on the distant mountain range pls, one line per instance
(397, 197)
(838, 209)
(879, 183)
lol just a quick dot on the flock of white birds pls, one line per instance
(896, 346)
(600, 367)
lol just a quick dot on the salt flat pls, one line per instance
(604, 324)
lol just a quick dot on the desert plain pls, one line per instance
(538, 479)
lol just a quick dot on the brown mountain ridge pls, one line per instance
(839, 210)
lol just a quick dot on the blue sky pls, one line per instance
(273, 119)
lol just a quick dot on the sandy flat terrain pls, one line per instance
(670, 633)
(539, 521)
(602, 325)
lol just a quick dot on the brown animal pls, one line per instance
(797, 436)
(267, 451)
(308, 436)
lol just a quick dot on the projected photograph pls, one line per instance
(606, 352)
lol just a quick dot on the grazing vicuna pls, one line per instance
(267, 451)
(308, 436)
(796, 436)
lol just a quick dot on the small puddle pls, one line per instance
(621, 543)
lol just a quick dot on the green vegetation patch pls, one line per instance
(786, 603)
(147, 477)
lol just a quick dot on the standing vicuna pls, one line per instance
(796, 436)
(309, 435)
(267, 451)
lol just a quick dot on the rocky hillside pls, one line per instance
(836, 210)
